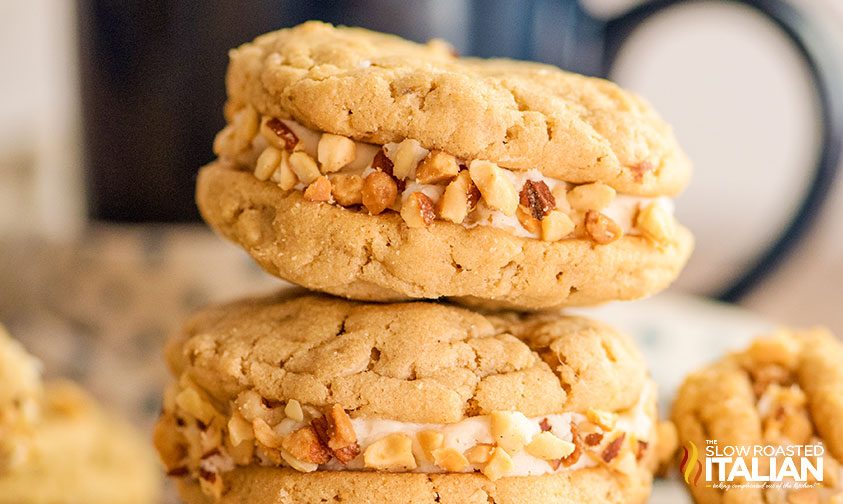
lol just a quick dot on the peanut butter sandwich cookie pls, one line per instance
(765, 425)
(304, 399)
(366, 166)
(58, 447)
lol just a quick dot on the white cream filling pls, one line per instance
(623, 209)
(476, 430)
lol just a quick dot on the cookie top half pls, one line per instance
(380, 89)
(412, 362)
(315, 383)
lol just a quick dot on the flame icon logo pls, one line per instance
(690, 461)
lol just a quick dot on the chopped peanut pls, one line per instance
(284, 176)
(479, 454)
(347, 189)
(335, 152)
(436, 168)
(278, 134)
(499, 464)
(265, 434)
(450, 460)
(547, 446)
(267, 163)
(596, 196)
(508, 430)
(393, 452)
(497, 190)
(407, 156)
(340, 430)
(536, 198)
(237, 136)
(193, 404)
(605, 419)
(298, 465)
(305, 446)
(250, 404)
(239, 429)
(656, 223)
(529, 222)
(304, 167)
(293, 410)
(601, 229)
(379, 192)
(459, 198)
(556, 225)
(318, 190)
(560, 195)
(429, 440)
(625, 463)
(382, 163)
(613, 448)
(417, 210)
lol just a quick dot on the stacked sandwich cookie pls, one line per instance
(409, 181)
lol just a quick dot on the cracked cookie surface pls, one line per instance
(379, 258)
(299, 397)
(413, 362)
(378, 88)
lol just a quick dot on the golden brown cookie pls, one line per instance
(499, 166)
(784, 390)
(351, 254)
(299, 397)
(264, 485)
(64, 448)
(379, 89)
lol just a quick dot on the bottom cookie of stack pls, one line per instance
(305, 398)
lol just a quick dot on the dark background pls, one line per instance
(152, 76)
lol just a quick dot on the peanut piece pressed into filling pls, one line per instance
(438, 185)
(205, 442)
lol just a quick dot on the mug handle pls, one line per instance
(807, 36)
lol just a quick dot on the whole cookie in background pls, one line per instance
(57, 446)
(302, 398)
(783, 393)
(369, 167)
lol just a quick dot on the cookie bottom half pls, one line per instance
(378, 258)
(262, 485)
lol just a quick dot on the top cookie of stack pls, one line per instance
(370, 167)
